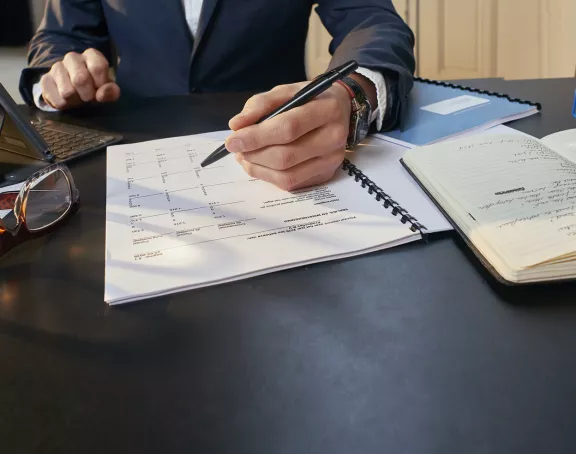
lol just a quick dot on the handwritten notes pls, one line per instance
(519, 194)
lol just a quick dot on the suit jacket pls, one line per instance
(240, 45)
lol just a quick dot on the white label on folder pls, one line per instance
(449, 106)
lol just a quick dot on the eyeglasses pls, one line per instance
(36, 206)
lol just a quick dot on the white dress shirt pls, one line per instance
(192, 10)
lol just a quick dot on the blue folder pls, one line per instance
(437, 111)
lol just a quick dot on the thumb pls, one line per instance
(109, 92)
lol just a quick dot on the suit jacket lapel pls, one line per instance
(208, 9)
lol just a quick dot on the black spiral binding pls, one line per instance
(388, 202)
(477, 90)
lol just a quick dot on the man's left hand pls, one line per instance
(302, 147)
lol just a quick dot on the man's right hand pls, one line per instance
(77, 79)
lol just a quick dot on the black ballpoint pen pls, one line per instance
(309, 92)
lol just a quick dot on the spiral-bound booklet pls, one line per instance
(436, 111)
(172, 225)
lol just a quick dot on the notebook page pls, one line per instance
(521, 195)
(380, 160)
(563, 142)
(174, 225)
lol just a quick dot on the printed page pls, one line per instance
(380, 161)
(172, 224)
(520, 194)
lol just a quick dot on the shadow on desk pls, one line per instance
(161, 341)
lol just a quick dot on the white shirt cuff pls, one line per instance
(378, 80)
(39, 100)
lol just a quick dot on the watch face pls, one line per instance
(361, 112)
(362, 123)
(365, 119)
(358, 128)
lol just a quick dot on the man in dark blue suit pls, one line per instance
(171, 47)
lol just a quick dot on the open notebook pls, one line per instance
(512, 198)
(172, 225)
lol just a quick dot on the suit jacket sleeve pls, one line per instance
(67, 26)
(372, 33)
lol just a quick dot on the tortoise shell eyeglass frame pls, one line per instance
(43, 202)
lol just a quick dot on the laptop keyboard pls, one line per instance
(67, 141)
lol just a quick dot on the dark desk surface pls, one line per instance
(411, 350)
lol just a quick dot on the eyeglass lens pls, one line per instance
(48, 201)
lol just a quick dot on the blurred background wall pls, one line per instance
(460, 39)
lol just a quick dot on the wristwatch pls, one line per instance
(361, 112)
